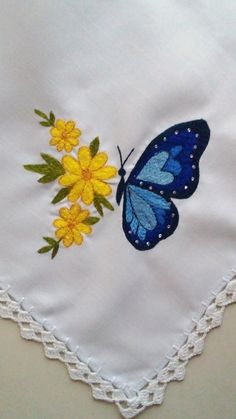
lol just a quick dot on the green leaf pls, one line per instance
(45, 124)
(37, 168)
(91, 220)
(45, 249)
(52, 117)
(50, 241)
(105, 202)
(54, 163)
(94, 146)
(40, 113)
(49, 177)
(98, 206)
(60, 195)
(55, 250)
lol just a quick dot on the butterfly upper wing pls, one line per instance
(170, 163)
(169, 167)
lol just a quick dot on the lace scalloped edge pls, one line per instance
(153, 392)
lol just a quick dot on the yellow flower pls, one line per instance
(86, 175)
(64, 135)
(71, 225)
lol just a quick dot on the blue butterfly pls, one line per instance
(168, 168)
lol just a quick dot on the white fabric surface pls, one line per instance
(125, 71)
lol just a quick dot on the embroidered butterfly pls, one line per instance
(168, 168)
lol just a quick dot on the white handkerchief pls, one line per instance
(118, 165)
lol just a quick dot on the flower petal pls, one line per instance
(100, 187)
(76, 190)
(82, 216)
(75, 133)
(68, 239)
(87, 194)
(60, 124)
(60, 145)
(75, 210)
(71, 165)
(68, 147)
(105, 173)
(64, 213)
(68, 179)
(77, 237)
(69, 126)
(54, 140)
(72, 140)
(98, 161)
(55, 132)
(58, 223)
(84, 228)
(84, 157)
(61, 232)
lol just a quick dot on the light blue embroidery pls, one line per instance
(152, 171)
(142, 209)
(168, 168)
(150, 197)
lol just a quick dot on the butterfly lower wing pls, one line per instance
(147, 217)
(170, 164)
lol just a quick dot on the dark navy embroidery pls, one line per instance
(168, 168)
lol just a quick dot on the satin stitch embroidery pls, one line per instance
(82, 179)
(168, 169)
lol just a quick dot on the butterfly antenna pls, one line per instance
(121, 161)
(128, 157)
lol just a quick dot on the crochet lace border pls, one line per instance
(153, 392)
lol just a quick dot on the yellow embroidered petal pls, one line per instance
(98, 161)
(87, 194)
(75, 133)
(68, 239)
(70, 125)
(82, 216)
(71, 165)
(72, 140)
(100, 187)
(84, 157)
(75, 210)
(68, 147)
(55, 132)
(78, 237)
(84, 228)
(68, 180)
(64, 213)
(61, 232)
(54, 140)
(76, 190)
(58, 223)
(60, 145)
(106, 173)
(60, 124)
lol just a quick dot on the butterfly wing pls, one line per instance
(147, 217)
(169, 167)
(170, 163)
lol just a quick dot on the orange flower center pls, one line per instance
(72, 224)
(64, 135)
(86, 173)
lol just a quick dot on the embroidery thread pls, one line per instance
(167, 169)
(83, 179)
(64, 134)
(86, 175)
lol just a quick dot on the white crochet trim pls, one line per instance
(153, 392)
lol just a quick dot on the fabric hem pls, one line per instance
(130, 402)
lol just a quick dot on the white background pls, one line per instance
(125, 71)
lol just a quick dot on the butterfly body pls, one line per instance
(168, 168)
